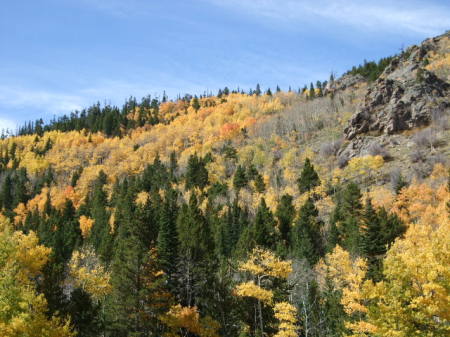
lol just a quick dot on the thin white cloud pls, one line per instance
(396, 16)
(51, 102)
(7, 124)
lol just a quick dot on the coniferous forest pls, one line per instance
(235, 214)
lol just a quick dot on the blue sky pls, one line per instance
(60, 55)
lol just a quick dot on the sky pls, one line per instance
(57, 56)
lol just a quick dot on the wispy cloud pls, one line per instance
(50, 101)
(7, 124)
(407, 16)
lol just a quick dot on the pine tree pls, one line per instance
(285, 214)
(167, 243)
(6, 197)
(260, 186)
(307, 234)
(195, 103)
(347, 217)
(127, 266)
(100, 237)
(197, 174)
(196, 253)
(240, 179)
(312, 92)
(264, 227)
(372, 239)
(257, 90)
(308, 177)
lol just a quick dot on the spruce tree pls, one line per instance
(260, 186)
(373, 243)
(285, 214)
(264, 227)
(167, 243)
(307, 234)
(240, 179)
(308, 177)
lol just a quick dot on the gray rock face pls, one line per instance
(404, 97)
(344, 82)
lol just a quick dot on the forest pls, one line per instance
(228, 215)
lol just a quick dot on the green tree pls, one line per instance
(240, 178)
(307, 233)
(285, 214)
(264, 227)
(308, 177)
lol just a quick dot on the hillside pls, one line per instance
(278, 213)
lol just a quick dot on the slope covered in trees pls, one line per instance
(228, 215)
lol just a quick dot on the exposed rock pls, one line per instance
(404, 97)
(344, 82)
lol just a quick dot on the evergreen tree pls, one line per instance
(260, 186)
(240, 178)
(167, 243)
(372, 239)
(285, 214)
(307, 234)
(346, 218)
(197, 174)
(100, 237)
(257, 90)
(312, 92)
(124, 304)
(308, 177)
(264, 227)
(196, 253)
(195, 103)
(6, 197)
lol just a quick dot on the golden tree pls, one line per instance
(23, 311)
(262, 265)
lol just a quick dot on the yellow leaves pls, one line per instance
(347, 275)
(29, 254)
(416, 291)
(417, 200)
(23, 312)
(263, 262)
(142, 198)
(86, 225)
(364, 165)
(89, 274)
(229, 130)
(249, 289)
(286, 314)
(188, 318)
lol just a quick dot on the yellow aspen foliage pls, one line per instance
(413, 300)
(363, 165)
(413, 200)
(263, 262)
(286, 314)
(348, 275)
(21, 214)
(23, 312)
(142, 198)
(250, 289)
(86, 224)
(380, 197)
(89, 274)
(439, 171)
(182, 320)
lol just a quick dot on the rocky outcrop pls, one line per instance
(344, 82)
(404, 97)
